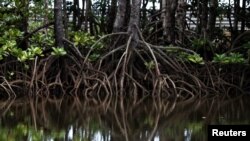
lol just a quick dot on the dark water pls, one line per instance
(77, 120)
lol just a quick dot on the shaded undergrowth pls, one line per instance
(130, 67)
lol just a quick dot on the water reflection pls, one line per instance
(71, 119)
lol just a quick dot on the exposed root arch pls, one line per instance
(134, 69)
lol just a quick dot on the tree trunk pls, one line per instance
(212, 18)
(163, 16)
(45, 18)
(23, 24)
(181, 19)
(81, 18)
(87, 15)
(134, 18)
(65, 18)
(144, 13)
(236, 20)
(75, 13)
(243, 15)
(198, 13)
(59, 33)
(153, 3)
(161, 4)
(133, 28)
(127, 14)
(229, 11)
(111, 16)
(103, 15)
(120, 16)
(204, 18)
(92, 24)
(169, 9)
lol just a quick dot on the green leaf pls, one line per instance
(94, 57)
(231, 58)
(23, 57)
(150, 65)
(58, 51)
(77, 40)
(196, 58)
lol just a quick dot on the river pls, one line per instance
(73, 119)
